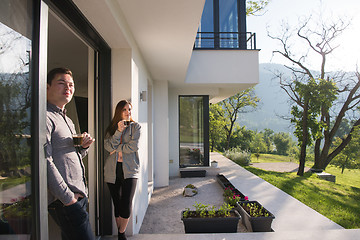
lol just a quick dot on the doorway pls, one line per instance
(67, 49)
(193, 131)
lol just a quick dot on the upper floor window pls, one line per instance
(223, 26)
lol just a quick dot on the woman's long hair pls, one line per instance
(117, 117)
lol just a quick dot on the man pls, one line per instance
(67, 190)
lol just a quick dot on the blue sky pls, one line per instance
(345, 57)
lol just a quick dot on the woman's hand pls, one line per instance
(121, 125)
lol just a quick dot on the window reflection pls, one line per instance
(15, 118)
(191, 131)
(228, 19)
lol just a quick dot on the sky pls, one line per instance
(346, 57)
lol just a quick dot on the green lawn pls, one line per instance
(350, 177)
(12, 182)
(338, 201)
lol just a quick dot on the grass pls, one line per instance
(338, 201)
(270, 158)
(350, 177)
(12, 182)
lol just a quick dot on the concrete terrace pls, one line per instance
(293, 220)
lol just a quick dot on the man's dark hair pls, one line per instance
(51, 75)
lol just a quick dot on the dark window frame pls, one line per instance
(205, 124)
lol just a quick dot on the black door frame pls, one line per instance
(205, 124)
(73, 17)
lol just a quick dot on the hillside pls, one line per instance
(273, 103)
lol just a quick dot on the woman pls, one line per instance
(121, 169)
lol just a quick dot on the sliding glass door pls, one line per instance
(16, 208)
(194, 131)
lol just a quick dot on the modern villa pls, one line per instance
(170, 58)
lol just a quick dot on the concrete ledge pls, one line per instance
(350, 234)
(326, 176)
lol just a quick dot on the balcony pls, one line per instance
(225, 40)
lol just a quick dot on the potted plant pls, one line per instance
(209, 219)
(214, 164)
(254, 216)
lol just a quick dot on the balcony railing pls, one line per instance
(225, 40)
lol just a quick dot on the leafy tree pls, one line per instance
(14, 122)
(268, 135)
(308, 97)
(282, 142)
(339, 93)
(241, 138)
(349, 156)
(242, 102)
(216, 126)
(258, 144)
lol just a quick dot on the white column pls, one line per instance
(161, 134)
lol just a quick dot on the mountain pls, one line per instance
(273, 103)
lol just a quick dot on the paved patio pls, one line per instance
(293, 220)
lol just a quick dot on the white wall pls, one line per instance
(129, 78)
(161, 133)
(139, 83)
(173, 133)
(120, 75)
(224, 67)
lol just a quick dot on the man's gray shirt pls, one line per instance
(65, 169)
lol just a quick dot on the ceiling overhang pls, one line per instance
(164, 31)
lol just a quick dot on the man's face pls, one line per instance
(61, 90)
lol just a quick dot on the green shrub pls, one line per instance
(239, 156)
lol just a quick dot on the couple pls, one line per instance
(67, 188)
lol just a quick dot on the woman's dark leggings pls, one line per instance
(122, 193)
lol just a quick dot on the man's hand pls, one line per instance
(76, 196)
(87, 140)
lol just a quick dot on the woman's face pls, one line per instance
(126, 112)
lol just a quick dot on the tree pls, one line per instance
(241, 138)
(258, 144)
(349, 156)
(216, 126)
(268, 137)
(242, 102)
(319, 38)
(254, 7)
(282, 142)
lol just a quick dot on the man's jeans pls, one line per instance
(73, 220)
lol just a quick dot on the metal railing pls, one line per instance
(225, 40)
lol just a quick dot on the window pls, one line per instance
(223, 26)
(194, 131)
(228, 24)
(15, 117)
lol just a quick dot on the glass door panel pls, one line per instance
(192, 131)
(15, 118)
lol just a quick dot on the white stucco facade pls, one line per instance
(151, 56)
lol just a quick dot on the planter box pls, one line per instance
(192, 173)
(211, 225)
(255, 224)
(223, 181)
